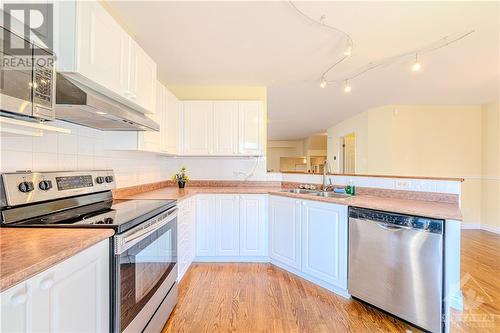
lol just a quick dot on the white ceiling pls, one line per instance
(268, 43)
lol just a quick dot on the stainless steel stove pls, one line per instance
(143, 251)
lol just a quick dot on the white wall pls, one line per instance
(83, 150)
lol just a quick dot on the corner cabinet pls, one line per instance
(231, 227)
(222, 128)
(284, 231)
(310, 239)
(93, 49)
(72, 296)
(162, 142)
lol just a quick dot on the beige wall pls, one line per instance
(278, 149)
(490, 192)
(442, 141)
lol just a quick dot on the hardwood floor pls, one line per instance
(263, 298)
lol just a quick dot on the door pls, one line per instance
(253, 225)
(102, 50)
(198, 127)
(227, 225)
(324, 242)
(284, 231)
(250, 127)
(349, 153)
(205, 225)
(142, 78)
(225, 128)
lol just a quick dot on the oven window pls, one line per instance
(143, 268)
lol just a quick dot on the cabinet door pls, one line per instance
(227, 225)
(284, 231)
(153, 140)
(250, 127)
(253, 225)
(73, 296)
(197, 126)
(324, 242)
(102, 47)
(171, 122)
(142, 78)
(205, 225)
(15, 314)
(225, 128)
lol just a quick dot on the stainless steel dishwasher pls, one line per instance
(396, 264)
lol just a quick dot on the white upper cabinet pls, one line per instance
(251, 127)
(162, 142)
(225, 128)
(197, 127)
(222, 128)
(93, 49)
(142, 77)
(324, 242)
(171, 123)
(102, 47)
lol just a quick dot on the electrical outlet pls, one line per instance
(402, 184)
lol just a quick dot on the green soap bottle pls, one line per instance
(350, 188)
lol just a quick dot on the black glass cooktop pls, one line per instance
(120, 215)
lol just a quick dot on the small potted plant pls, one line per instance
(181, 178)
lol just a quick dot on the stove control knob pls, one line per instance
(109, 179)
(99, 180)
(45, 185)
(26, 187)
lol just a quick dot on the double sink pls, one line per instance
(324, 194)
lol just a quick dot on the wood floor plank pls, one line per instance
(247, 297)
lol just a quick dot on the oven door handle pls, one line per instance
(123, 243)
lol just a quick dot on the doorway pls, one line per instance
(348, 144)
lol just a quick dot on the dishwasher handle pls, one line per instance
(390, 227)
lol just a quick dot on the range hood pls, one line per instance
(82, 105)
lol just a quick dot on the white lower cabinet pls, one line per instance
(284, 231)
(227, 225)
(185, 236)
(253, 225)
(72, 296)
(324, 242)
(310, 238)
(233, 226)
(205, 225)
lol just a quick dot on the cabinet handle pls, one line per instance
(46, 284)
(297, 202)
(19, 299)
(303, 203)
(134, 96)
(126, 92)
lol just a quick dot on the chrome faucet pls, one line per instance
(326, 168)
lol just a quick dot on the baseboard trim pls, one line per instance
(214, 259)
(470, 226)
(485, 227)
(456, 301)
(490, 228)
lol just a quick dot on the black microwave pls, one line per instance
(27, 81)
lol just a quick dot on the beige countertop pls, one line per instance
(439, 210)
(25, 252)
